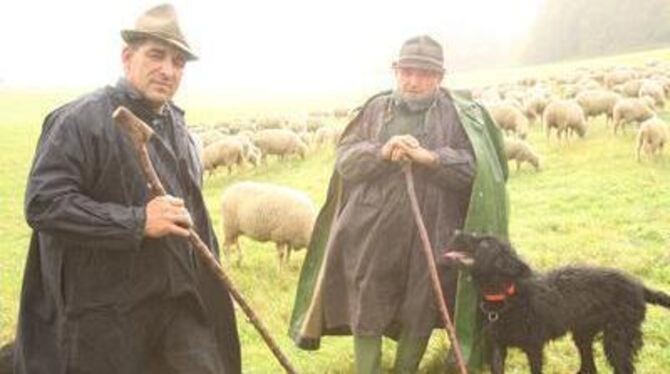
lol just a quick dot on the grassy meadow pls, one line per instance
(591, 203)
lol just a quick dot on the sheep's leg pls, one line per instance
(226, 251)
(288, 255)
(518, 165)
(280, 255)
(239, 252)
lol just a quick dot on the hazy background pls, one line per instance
(263, 49)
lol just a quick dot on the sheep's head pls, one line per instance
(302, 149)
(253, 155)
(581, 129)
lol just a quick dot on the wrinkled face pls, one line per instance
(155, 69)
(493, 262)
(417, 83)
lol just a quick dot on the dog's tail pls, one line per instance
(657, 297)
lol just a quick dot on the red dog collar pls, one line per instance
(497, 297)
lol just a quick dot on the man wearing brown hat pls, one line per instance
(111, 283)
(365, 273)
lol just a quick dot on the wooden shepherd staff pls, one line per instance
(435, 280)
(140, 133)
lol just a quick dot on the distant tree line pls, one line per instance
(582, 28)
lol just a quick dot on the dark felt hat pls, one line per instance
(421, 52)
(161, 23)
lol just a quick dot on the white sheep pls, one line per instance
(619, 76)
(250, 153)
(565, 116)
(631, 88)
(664, 81)
(210, 136)
(224, 152)
(629, 110)
(267, 212)
(598, 102)
(520, 151)
(655, 91)
(510, 119)
(534, 107)
(327, 135)
(651, 137)
(279, 142)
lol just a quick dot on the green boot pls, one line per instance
(368, 353)
(408, 354)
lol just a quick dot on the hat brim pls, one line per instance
(418, 64)
(130, 36)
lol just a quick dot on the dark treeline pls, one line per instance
(583, 28)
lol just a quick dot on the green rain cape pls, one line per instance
(487, 213)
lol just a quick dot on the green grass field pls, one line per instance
(592, 203)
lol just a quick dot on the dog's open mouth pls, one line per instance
(457, 256)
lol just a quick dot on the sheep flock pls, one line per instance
(628, 102)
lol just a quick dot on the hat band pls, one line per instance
(420, 58)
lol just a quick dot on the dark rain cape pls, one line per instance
(487, 213)
(85, 202)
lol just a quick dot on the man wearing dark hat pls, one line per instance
(111, 283)
(365, 273)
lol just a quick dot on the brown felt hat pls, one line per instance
(421, 52)
(160, 23)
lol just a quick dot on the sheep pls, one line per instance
(307, 137)
(597, 102)
(534, 106)
(632, 110)
(327, 135)
(520, 150)
(279, 142)
(487, 95)
(565, 116)
(224, 152)
(210, 136)
(588, 84)
(266, 212)
(619, 76)
(654, 90)
(199, 147)
(664, 81)
(341, 112)
(651, 137)
(510, 119)
(631, 88)
(271, 123)
(250, 153)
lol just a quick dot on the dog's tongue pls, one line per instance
(458, 256)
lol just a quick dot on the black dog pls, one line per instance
(526, 310)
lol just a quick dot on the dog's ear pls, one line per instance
(520, 269)
(463, 241)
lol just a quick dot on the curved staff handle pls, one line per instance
(140, 133)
